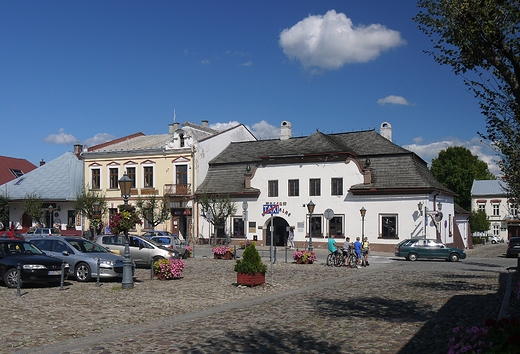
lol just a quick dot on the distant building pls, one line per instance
(342, 174)
(164, 165)
(56, 183)
(491, 197)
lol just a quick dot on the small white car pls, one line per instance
(495, 239)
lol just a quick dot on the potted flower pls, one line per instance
(244, 244)
(166, 269)
(250, 269)
(305, 257)
(222, 252)
(189, 251)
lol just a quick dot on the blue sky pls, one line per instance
(91, 71)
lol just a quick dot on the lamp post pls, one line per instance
(51, 208)
(363, 212)
(95, 206)
(125, 183)
(310, 209)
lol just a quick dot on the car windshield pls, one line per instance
(86, 246)
(13, 248)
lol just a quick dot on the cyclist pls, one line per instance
(365, 247)
(332, 246)
(347, 248)
(357, 248)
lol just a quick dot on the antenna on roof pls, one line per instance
(174, 116)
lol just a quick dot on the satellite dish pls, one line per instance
(438, 217)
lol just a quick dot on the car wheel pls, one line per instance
(83, 272)
(11, 278)
(412, 257)
(454, 257)
(493, 242)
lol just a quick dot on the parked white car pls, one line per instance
(495, 239)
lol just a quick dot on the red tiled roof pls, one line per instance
(11, 163)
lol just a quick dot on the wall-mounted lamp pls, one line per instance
(419, 206)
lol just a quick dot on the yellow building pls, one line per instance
(170, 165)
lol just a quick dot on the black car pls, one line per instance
(513, 247)
(36, 267)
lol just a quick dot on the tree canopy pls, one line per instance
(216, 209)
(480, 40)
(32, 204)
(5, 207)
(153, 209)
(457, 168)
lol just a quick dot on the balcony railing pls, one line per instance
(177, 189)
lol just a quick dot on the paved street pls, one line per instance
(392, 306)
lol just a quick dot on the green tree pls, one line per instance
(32, 204)
(456, 168)
(87, 202)
(5, 207)
(479, 39)
(153, 209)
(216, 208)
(479, 222)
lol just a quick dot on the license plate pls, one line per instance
(54, 272)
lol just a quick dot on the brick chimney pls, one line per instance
(78, 149)
(42, 162)
(205, 123)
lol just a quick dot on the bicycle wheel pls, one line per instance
(330, 259)
(338, 260)
(353, 261)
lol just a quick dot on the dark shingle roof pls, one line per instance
(393, 167)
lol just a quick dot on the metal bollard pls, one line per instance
(62, 277)
(152, 271)
(18, 279)
(235, 252)
(274, 255)
(285, 254)
(98, 268)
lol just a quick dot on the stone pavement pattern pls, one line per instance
(303, 308)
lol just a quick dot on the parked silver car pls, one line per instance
(82, 255)
(41, 232)
(142, 251)
(170, 241)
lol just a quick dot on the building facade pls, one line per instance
(361, 184)
(163, 165)
(491, 197)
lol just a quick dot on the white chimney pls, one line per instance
(205, 123)
(386, 130)
(285, 130)
(173, 127)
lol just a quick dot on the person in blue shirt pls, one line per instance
(357, 248)
(332, 245)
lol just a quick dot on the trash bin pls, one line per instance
(483, 241)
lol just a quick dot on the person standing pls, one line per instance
(357, 248)
(365, 247)
(291, 237)
(347, 247)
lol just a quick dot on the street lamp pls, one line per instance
(125, 183)
(51, 208)
(363, 212)
(310, 208)
(95, 206)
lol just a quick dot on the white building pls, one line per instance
(490, 196)
(341, 174)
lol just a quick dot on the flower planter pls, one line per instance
(227, 255)
(250, 279)
(301, 261)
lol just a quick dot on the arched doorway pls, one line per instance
(280, 231)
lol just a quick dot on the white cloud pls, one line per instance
(264, 131)
(61, 138)
(261, 130)
(99, 138)
(483, 151)
(331, 41)
(393, 100)
(247, 63)
(205, 62)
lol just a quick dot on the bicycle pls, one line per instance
(334, 259)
